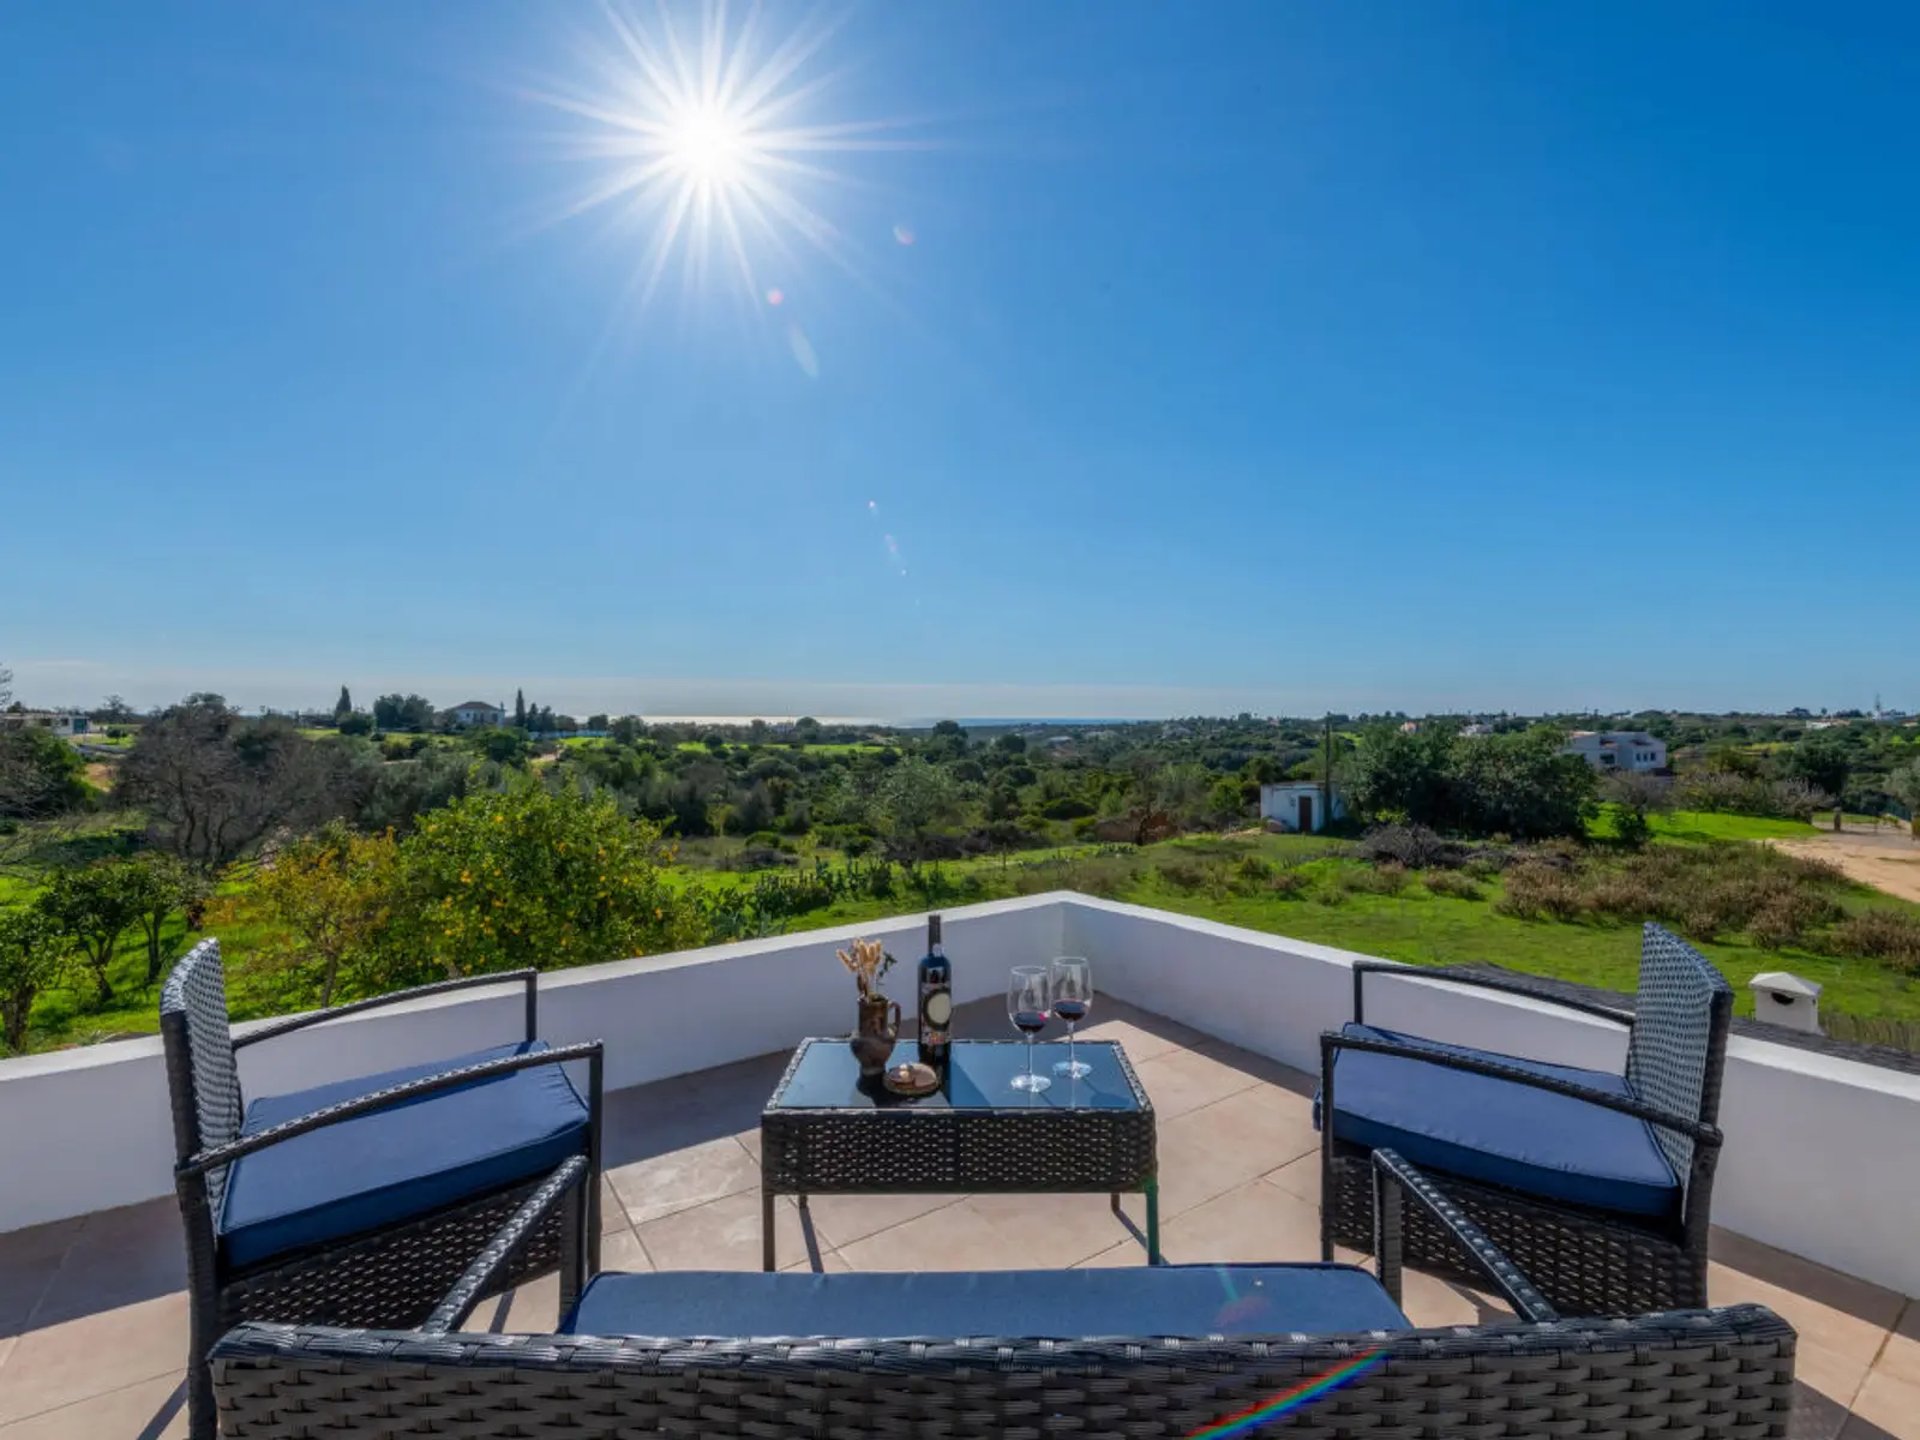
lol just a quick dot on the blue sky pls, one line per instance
(1281, 357)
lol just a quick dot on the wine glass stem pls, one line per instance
(1029, 1055)
(1072, 1069)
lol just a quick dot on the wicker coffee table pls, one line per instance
(828, 1132)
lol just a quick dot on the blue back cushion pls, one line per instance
(1482, 1128)
(397, 1164)
(1192, 1301)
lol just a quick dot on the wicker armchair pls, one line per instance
(1597, 1185)
(1715, 1374)
(359, 1203)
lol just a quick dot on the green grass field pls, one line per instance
(1424, 929)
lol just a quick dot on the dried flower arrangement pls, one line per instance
(868, 962)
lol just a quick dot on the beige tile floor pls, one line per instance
(93, 1315)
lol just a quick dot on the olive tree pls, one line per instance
(162, 884)
(214, 784)
(93, 907)
(1904, 785)
(1635, 796)
(33, 952)
(912, 800)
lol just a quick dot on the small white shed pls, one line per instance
(1298, 805)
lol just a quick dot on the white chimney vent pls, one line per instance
(1783, 999)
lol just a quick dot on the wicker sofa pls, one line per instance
(1718, 1374)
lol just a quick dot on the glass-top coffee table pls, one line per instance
(826, 1131)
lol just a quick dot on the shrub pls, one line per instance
(1710, 913)
(1251, 871)
(1534, 890)
(1189, 876)
(1451, 885)
(40, 775)
(1632, 828)
(1623, 895)
(761, 857)
(1561, 855)
(1105, 875)
(402, 747)
(1413, 846)
(1775, 927)
(1287, 885)
(1386, 878)
(1880, 935)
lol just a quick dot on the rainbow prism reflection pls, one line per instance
(1285, 1404)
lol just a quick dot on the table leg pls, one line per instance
(1153, 1220)
(766, 1228)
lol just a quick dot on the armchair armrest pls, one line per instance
(480, 1277)
(1393, 1180)
(1453, 976)
(394, 1095)
(529, 978)
(1330, 1042)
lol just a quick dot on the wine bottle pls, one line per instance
(936, 999)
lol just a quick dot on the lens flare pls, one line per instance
(1289, 1401)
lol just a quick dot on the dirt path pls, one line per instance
(1885, 861)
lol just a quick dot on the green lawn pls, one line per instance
(1424, 929)
(1697, 825)
(1414, 925)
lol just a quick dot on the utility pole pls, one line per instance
(1326, 776)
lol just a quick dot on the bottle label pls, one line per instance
(936, 1004)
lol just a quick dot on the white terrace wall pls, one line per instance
(90, 1128)
(1822, 1155)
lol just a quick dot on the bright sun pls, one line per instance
(709, 145)
(696, 143)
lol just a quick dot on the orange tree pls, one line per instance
(331, 898)
(537, 877)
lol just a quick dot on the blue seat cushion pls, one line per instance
(396, 1164)
(1483, 1128)
(1162, 1300)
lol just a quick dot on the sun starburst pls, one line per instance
(702, 147)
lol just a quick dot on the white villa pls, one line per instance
(1619, 749)
(64, 723)
(476, 713)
